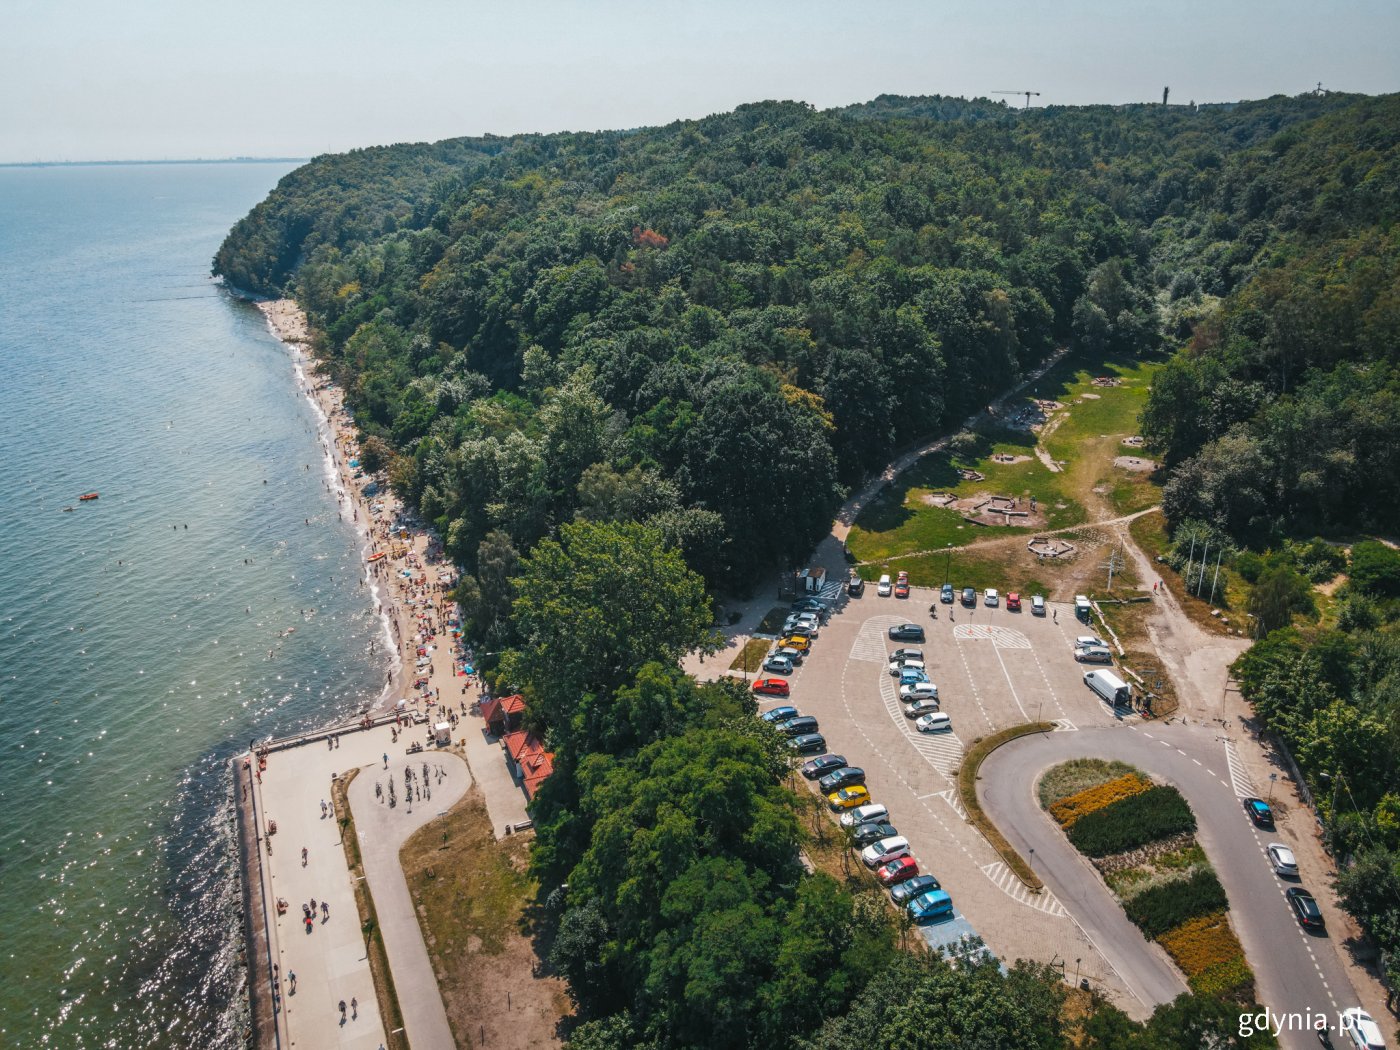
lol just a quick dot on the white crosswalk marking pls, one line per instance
(951, 797)
(943, 751)
(1004, 879)
(1239, 776)
(870, 641)
(1002, 637)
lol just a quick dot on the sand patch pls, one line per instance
(1135, 463)
(1086, 396)
(1001, 457)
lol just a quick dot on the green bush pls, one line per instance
(1131, 822)
(1226, 978)
(1163, 908)
(1249, 565)
(1375, 569)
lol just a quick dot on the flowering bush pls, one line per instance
(1231, 978)
(1202, 943)
(1070, 809)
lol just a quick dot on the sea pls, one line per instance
(211, 595)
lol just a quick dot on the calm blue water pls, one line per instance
(143, 636)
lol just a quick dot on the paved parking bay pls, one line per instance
(994, 668)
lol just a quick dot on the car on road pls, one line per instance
(798, 725)
(1304, 906)
(864, 814)
(808, 743)
(1037, 605)
(778, 664)
(795, 641)
(884, 587)
(901, 585)
(937, 722)
(945, 594)
(924, 705)
(779, 714)
(912, 676)
(969, 597)
(1259, 812)
(884, 851)
(907, 632)
(935, 904)
(771, 686)
(1013, 602)
(897, 666)
(1360, 1030)
(855, 586)
(989, 597)
(915, 887)
(848, 797)
(1282, 860)
(839, 778)
(822, 765)
(874, 831)
(898, 870)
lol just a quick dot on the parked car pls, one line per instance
(1037, 605)
(864, 814)
(839, 778)
(1013, 602)
(822, 765)
(937, 722)
(1082, 607)
(1360, 1031)
(779, 714)
(848, 797)
(770, 686)
(800, 629)
(1305, 908)
(808, 620)
(898, 870)
(1282, 859)
(912, 676)
(1259, 812)
(935, 904)
(924, 705)
(1093, 654)
(808, 743)
(969, 597)
(915, 887)
(901, 585)
(884, 587)
(896, 666)
(907, 653)
(855, 586)
(945, 594)
(907, 632)
(989, 596)
(809, 605)
(795, 641)
(884, 851)
(798, 725)
(778, 664)
(874, 831)
(1090, 640)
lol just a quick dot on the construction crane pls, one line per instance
(1028, 95)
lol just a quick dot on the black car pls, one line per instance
(799, 725)
(855, 586)
(822, 765)
(1305, 907)
(945, 594)
(1259, 812)
(808, 605)
(969, 597)
(843, 777)
(907, 632)
(808, 743)
(911, 888)
(871, 831)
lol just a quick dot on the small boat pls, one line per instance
(88, 496)
(376, 557)
(67, 510)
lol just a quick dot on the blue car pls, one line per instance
(935, 904)
(912, 676)
(779, 714)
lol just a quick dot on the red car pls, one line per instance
(901, 585)
(1013, 601)
(771, 686)
(899, 870)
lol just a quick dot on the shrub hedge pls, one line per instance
(1201, 943)
(1130, 822)
(1231, 979)
(1165, 907)
(1091, 800)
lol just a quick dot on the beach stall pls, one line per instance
(442, 734)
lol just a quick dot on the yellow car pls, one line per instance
(797, 642)
(849, 797)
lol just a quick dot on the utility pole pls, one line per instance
(1216, 578)
(1205, 557)
(1114, 563)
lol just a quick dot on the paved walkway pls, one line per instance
(382, 829)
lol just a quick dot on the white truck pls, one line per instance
(1111, 689)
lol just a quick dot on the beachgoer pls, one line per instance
(386, 760)
(303, 856)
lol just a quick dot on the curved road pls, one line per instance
(1295, 971)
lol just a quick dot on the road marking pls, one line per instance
(870, 640)
(1004, 879)
(1064, 725)
(943, 751)
(951, 796)
(1239, 776)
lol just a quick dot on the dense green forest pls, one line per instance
(619, 370)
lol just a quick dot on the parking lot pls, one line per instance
(994, 668)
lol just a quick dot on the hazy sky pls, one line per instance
(94, 79)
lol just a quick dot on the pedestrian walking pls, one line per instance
(303, 856)
(342, 1011)
(354, 1007)
(323, 809)
(313, 905)
(291, 982)
(325, 911)
(386, 760)
(1055, 615)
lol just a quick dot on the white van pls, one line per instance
(1082, 608)
(883, 587)
(863, 814)
(1112, 689)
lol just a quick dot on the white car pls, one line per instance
(1090, 641)
(924, 705)
(1281, 857)
(990, 596)
(934, 723)
(896, 666)
(863, 814)
(918, 691)
(1037, 605)
(1360, 1030)
(884, 587)
(885, 850)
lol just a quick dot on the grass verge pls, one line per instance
(977, 817)
(384, 991)
(750, 657)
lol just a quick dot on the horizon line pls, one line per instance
(149, 160)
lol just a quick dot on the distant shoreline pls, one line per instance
(128, 163)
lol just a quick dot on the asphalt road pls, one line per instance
(1295, 971)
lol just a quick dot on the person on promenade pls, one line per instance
(303, 856)
(325, 912)
(354, 1008)
(291, 982)
(342, 1011)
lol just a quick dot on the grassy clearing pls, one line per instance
(977, 817)
(1079, 774)
(1150, 534)
(750, 658)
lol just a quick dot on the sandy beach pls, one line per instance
(410, 578)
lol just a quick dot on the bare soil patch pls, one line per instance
(1135, 463)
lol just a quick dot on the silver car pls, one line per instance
(1282, 859)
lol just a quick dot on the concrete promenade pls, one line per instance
(382, 830)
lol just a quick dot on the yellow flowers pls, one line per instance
(1068, 810)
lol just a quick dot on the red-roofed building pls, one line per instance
(530, 763)
(503, 713)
